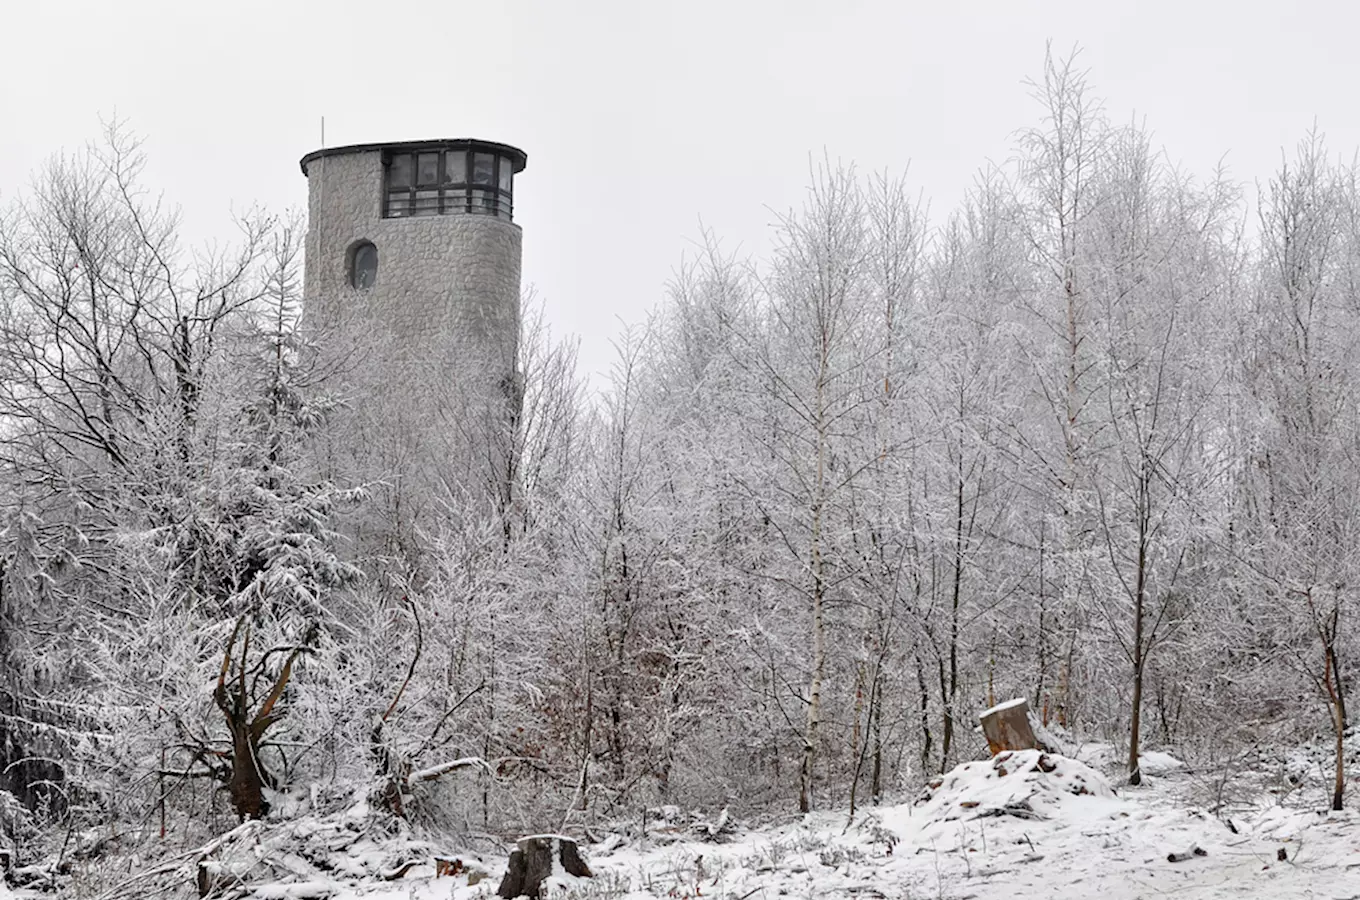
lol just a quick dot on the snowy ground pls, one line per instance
(1025, 834)
(1023, 825)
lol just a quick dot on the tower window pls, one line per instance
(447, 182)
(483, 168)
(363, 265)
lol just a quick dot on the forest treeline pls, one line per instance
(1089, 438)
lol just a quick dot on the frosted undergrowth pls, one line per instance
(1026, 824)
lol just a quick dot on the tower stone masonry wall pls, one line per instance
(426, 355)
(446, 285)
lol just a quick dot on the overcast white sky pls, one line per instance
(640, 118)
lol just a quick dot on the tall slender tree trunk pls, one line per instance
(814, 714)
(927, 739)
(956, 594)
(858, 748)
(1139, 616)
(1337, 704)
(876, 718)
(817, 564)
(1139, 658)
(1071, 567)
(1041, 641)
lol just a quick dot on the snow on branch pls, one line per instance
(433, 772)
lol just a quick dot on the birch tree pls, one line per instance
(818, 378)
(1058, 160)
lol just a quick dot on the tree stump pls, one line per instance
(1006, 727)
(218, 878)
(533, 863)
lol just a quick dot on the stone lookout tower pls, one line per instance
(412, 292)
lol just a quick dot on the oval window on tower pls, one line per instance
(363, 265)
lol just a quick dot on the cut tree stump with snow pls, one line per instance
(1006, 727)
(534, 861)
(219, 879)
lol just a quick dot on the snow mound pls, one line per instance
(1027, 784)
(1152, 762)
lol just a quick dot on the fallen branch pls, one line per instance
(177, 862)
(433, 772)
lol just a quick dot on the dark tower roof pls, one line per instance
(519, 156)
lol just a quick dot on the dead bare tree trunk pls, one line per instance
(248, 776)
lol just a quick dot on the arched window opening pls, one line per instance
(363, 266)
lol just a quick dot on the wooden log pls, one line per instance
(1006, 727)
(532, 864)
(1189, 853)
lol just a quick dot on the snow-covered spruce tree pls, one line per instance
(234, 562)
(157, 494)
(107, 337)
(261, 533)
